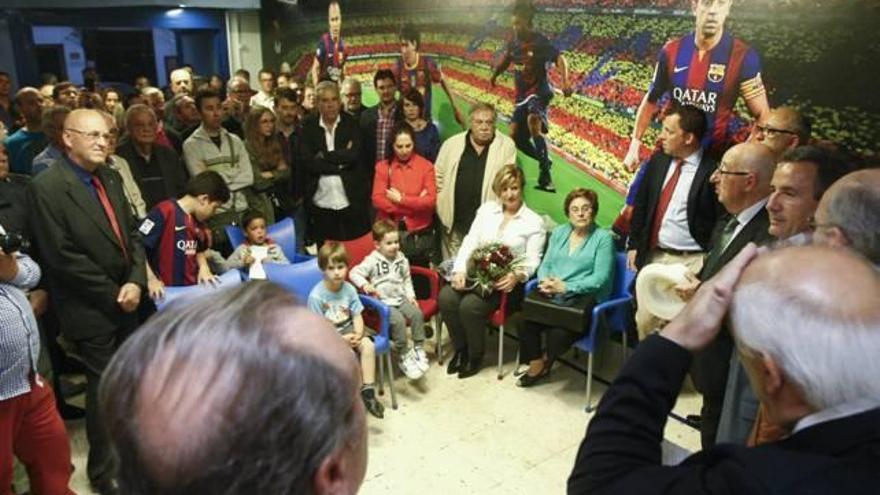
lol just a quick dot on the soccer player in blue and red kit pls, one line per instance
(531, 53)
(415, 70)
(175, 237)
(330, 56)
(709, 69)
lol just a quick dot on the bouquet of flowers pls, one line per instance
(490, 262)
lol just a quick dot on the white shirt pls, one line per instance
(675, 232)
(331, 192)
(746, 216)
(262, 99)
(524, 235)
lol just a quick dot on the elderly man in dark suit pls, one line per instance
(742, 182)
(676, 206)
(793, 340)
(92, 254)
(337, 183)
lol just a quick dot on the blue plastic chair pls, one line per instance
(614, 311)
(176, 294)
(300, 278)
(282, 232)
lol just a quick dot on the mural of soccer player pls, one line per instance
(417, 70)
(707, 68)
(531, 53)
(330, 56)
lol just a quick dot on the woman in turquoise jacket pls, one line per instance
(579, 262)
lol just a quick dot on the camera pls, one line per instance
(12, 242)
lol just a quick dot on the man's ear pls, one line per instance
(836, 236)
(772, 375)
(330, 478)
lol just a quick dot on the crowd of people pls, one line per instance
(108, 199)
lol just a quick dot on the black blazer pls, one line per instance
(80, 253)
(702, 206)
(171, 167)
(712, 364)
(621, 452)
(345, 161)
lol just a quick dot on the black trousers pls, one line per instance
(338, 225)
(466, 314)
(559, 340)
(96, 353)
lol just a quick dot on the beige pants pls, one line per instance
(450, 242)
(647, 322)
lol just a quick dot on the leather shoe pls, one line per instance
(470, 368)
(106, 487)
(69, 412)
(457, 362)
(529, 380)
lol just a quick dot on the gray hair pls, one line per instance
(325, 86)
(216, 396)
(483, 107)
(351, 81)
(135, 109)
(148, 90)
(855, 210)
(832, 357)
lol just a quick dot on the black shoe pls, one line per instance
(545, 182)
(429, 331)
(529, 380)
(69, 388)
(373, 406)
(105, 487)
(457, 362)
(69, 412)
(471, 368)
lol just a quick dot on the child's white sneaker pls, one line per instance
(409, 365)
(422, 359)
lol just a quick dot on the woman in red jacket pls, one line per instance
(404, 192)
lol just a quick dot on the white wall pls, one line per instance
(74, 54)
(244, 38)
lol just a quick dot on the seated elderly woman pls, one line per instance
(466, 311)
(577, 271)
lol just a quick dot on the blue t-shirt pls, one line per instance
(339, 308)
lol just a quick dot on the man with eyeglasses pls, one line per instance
(91, 251)
(675, 207)
(351, 97)
(799, 181)
(742, 183)
(782, 129)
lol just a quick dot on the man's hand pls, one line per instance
(156, 289)
(39, 300)
(458, 118)
(506, 283)
(369, 289)
(129, 297)
(458, 281)
(394, 195)
(631, 260)
(686, 290)
(267, 174)
(698, 323)
(8, 266)
(631, 160)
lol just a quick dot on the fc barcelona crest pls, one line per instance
(716, 72)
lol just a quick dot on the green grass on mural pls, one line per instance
(566, 175)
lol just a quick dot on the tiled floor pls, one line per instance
(478, 435)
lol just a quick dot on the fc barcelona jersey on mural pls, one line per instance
(331, 57)
(711, 83)
(421, 77)
(531, 59)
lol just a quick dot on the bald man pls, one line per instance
(782, 129)
(180, 83)
(795, 342)
(185, 417)
(742, 183)
(90, 247)
(848, 215)
(26, 143)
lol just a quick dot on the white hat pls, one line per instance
(655, 289)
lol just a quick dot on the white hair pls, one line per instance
(855, 209)
(833, 357)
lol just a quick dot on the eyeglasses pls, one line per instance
(721, 171)
(92, 136)
(772, 131)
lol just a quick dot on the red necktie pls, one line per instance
(108, 210)
(663, 203)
